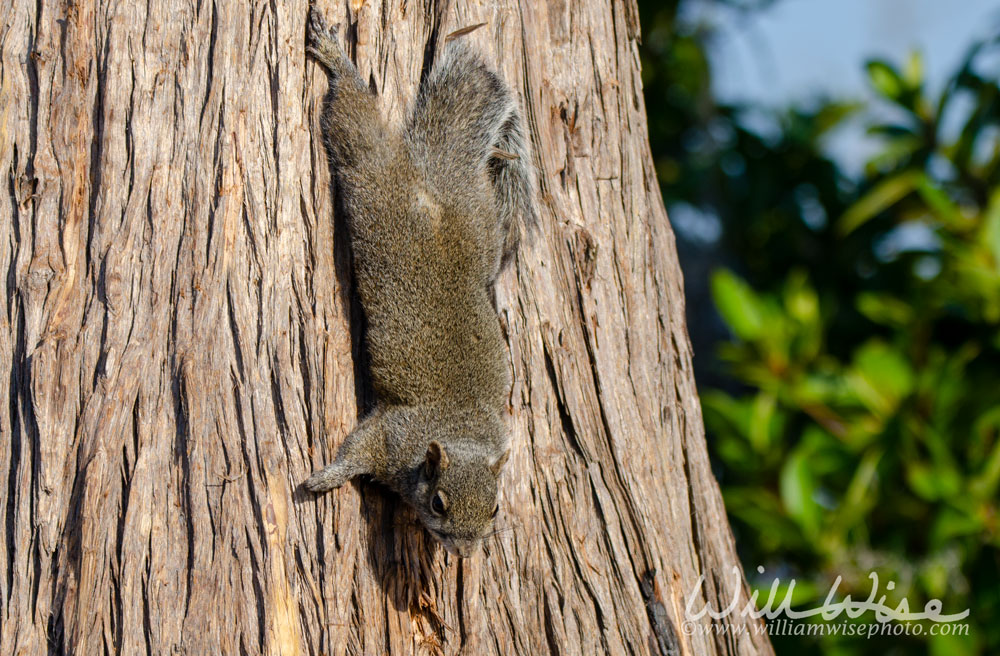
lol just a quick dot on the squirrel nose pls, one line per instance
(466, 548)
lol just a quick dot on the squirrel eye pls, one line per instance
(496, 509)
(437, 504)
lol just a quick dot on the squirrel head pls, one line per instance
(457, 496)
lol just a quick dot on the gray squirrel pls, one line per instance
(434, 209)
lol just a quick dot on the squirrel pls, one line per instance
(434, 211)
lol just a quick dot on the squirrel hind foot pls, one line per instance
(321, 42)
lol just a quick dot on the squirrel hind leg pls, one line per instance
(323, 46)
(321, 43)
(351, 125)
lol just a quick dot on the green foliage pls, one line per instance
(854, 408)
(884, 457)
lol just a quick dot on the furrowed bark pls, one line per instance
(181, 348)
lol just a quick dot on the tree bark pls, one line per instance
(182, 347)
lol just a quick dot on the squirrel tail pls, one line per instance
(465, 119)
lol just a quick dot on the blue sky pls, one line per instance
(801, 49)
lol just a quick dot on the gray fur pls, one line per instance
(434, 210)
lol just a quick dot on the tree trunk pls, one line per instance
(182, 348)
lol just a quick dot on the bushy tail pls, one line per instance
(466, 119)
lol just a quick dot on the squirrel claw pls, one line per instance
(317, 29)
(322, 43)
(314, 53)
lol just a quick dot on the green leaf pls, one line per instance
(801, 301)
(739, 306)
(885, 194)
(816, 389)
(939, 203)
(798, 486)
(893, 131)
(832, 115)
(984, 484)
(952, 523)
(933, 483)
(991, 228)
(913, 74)
(761, 421)
(894, 153)
(884, 309)
(885, 79)
(862, 482)
(880, 377)
(942, 644)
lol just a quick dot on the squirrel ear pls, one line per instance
(501, 461)
(436, 459)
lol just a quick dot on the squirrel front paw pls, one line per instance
(329, 478)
